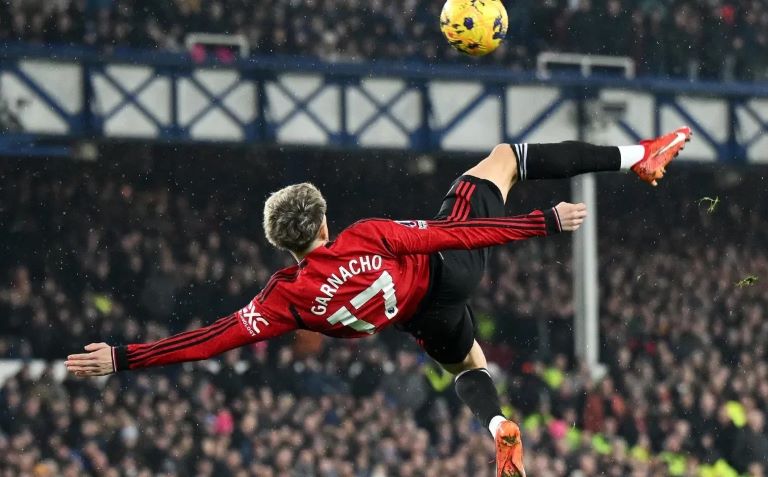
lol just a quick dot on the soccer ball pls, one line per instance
(474, 27)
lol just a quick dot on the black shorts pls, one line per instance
(444, 326)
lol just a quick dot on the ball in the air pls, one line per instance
(474, 27)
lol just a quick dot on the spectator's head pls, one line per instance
(757, 469)
(756, 421)
(294, 217)
(588, 464)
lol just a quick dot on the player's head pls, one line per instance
(294, 217)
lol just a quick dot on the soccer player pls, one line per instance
(415, 274)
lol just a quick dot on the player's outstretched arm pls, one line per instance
(425, 237)
(238, 329)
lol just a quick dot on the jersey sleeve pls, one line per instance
(243, 327)
(426, 237)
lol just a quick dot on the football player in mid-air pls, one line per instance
(415, 274)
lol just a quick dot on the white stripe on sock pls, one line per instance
(495, 423)
(519, 153)
(525, 161)
(631, 155)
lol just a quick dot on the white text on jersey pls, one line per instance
(354, 267)
(251, 319)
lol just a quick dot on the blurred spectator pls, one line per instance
(751, 446)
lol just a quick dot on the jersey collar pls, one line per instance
(317, 251)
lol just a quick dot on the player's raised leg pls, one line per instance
(508, 164)
(475, 388)
(648, 159)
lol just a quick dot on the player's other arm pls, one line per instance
(424, 237)
(238, 329)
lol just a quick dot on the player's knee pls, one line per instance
(503, 157)
(475, 359)
(473, 363)
(500, 166)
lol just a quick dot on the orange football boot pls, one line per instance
(509, 451)
(659, 152)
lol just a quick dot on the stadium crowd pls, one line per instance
(94, 252)
(716, 39)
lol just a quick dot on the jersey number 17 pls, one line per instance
(383, 284)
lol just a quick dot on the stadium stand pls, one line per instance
(718, 39)
(151, 239)
(139, 254)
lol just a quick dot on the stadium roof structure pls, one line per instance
(53, 97)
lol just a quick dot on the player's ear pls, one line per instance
(322, 233)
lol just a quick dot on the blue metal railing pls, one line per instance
(161, 96)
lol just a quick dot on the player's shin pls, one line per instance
(571, 158)
(475, 388)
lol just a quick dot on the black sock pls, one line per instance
(564, 159)
(475, 388)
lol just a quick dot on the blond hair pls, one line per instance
(293, 216)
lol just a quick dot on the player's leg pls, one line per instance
(475, 388)
(507, 164)
(446, 331)
(475, 359)
(448, 337)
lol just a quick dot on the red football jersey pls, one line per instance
(374, 274)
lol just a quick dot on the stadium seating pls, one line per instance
(122, 255)
(141, 239)
(719, 39)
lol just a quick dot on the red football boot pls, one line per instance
(659, 152)
(509, 451)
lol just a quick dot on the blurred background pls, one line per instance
(139, 139)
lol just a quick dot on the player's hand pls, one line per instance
(97, 362)
(571, 215)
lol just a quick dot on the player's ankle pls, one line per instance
(631, 155)
(494, 424)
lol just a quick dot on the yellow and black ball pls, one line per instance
(474, 27)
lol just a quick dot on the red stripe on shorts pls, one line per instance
(459, 193)
(468, 205)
